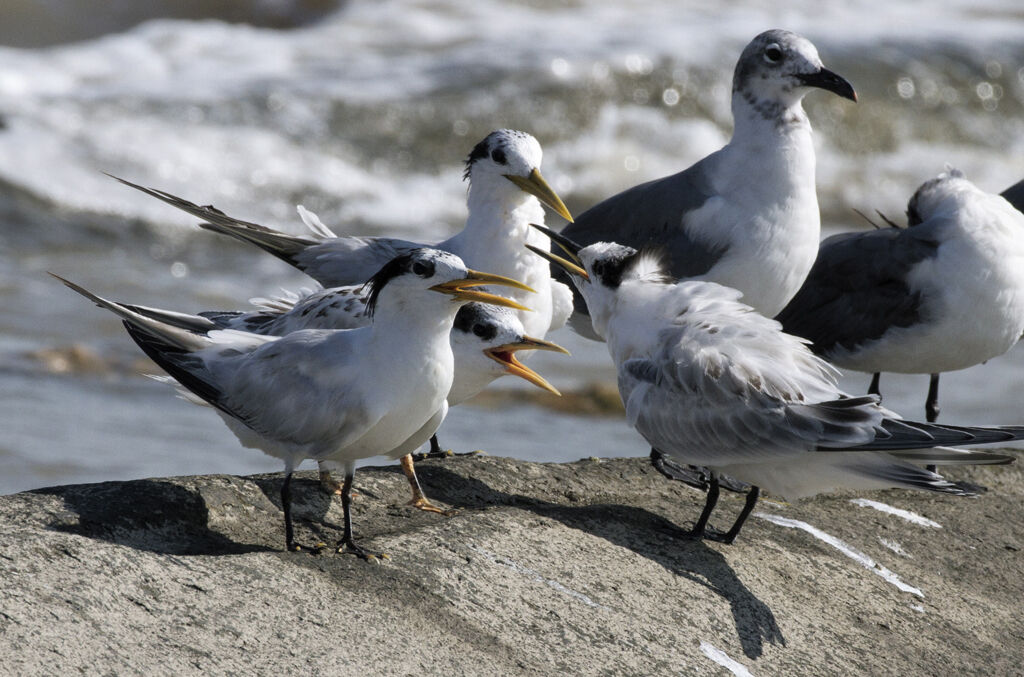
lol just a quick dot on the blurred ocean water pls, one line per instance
(364, 112)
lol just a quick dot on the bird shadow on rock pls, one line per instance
(646, 533)
(152, 515)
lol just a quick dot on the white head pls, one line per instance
(939, 194)
(777, 69)
(505, 156)
(600, 270)
(400, 285)
(485, 340)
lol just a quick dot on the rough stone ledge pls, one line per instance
(548, 568)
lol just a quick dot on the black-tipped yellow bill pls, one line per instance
(535, 185)
(567, 265)
(460, 289)
(505, 355)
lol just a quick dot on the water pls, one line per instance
(364, 114)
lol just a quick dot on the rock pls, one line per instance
(548, 568)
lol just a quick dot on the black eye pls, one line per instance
(422, 269)
(598, 268)
(480, 330)
(773, 53)
(498, 155)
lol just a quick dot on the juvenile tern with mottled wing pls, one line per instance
(943, 294)
(336, 395)
(711, 382)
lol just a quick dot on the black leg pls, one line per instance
(347, 544)
(286, 505)
(693, 475)
(435, 451)
(748, 507)
(690, 475)
(289, 531)
(931, 406)
(873, 388)
(709, 506)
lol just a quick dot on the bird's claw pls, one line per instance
(349, 547)
(425, 505)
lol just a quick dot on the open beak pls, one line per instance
(826, 79)
(460, 289)
(573, 264)
(505, 355)
(535, 185)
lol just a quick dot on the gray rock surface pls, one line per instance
(547, 569)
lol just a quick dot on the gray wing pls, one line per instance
(858, 289)
(289, 391)
(649, 215)
(333, 262)
(1015, 195)
(653, 214)
(724, 386)
(349, 260)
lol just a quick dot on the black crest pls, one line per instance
(399, 265)
(493, 146)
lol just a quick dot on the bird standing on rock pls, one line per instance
(337, 395)
(711, 382)
(484, 338)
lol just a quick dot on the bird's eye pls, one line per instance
(422, 269)
(479, 330)
(498, 155)
(598, 268)
(773, 53)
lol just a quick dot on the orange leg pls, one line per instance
(419, 500)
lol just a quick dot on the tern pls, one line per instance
(943, 294)
(334, 395)
(747, 215)
(712, 382)
(484, 339)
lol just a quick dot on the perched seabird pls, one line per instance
(943, 294)
(335, 395)
(484, 338)
(745, 216)
(711, 382)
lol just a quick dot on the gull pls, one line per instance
(943, 294)
(712, 382)
(335, 395)
(506, 191)
(484, 339)
(747, 215)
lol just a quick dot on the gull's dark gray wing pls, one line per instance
(653, 214)
(858, 289)
(1015, 195)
